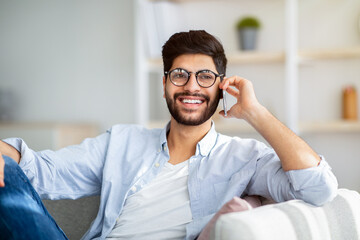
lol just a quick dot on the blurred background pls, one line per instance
(72, 69)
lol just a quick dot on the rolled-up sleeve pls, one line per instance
(27, 155)
(315, 185)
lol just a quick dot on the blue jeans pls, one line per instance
(22, 214)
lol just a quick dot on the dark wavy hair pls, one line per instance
(194, 42)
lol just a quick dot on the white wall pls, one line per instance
(68, 61)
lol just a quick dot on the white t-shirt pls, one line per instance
(160, 210)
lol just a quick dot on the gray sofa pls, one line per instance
(74, 216)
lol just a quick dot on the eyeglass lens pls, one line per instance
(205, 78)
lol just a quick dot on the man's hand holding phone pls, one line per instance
(243, 90)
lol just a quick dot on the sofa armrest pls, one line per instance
(295, 219)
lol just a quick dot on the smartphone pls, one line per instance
(223, 93)
(224, 102)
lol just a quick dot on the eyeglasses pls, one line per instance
(180, 77)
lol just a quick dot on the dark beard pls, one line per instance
(175, 112)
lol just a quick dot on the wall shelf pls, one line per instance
(237, 58)
(328, 54)
(254, 57)
(258, 57)
(340, 126)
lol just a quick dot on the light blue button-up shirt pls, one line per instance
(123, 160)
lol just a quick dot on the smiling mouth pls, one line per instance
(191, 101)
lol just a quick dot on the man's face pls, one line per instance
(191, 104)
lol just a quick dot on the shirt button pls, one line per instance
(157, 164)
(133, 189)
(164, 148)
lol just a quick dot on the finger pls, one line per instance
(224, 84)
(227, 84)
(235, 81)
(232, 91)
(221, 84)
(2, 166)
(222, 113)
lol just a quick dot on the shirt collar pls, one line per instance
(163, 135)
(203, 147)
(208, 142)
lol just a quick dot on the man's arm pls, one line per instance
(71, 172)
(9, 151)
(294, 153)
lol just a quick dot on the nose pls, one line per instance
(192, 85)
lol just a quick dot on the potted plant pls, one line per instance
(247, 28)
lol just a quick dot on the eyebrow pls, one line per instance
(205, 69)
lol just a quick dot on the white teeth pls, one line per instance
(192, 101)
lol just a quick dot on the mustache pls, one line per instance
(183, 94)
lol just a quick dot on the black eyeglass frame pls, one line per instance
(168, 73)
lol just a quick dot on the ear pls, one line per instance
(164, 82)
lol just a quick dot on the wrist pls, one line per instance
(256, 115)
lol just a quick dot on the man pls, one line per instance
(168, 183)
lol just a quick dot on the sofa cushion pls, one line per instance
(73, 216)
(295, 219)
